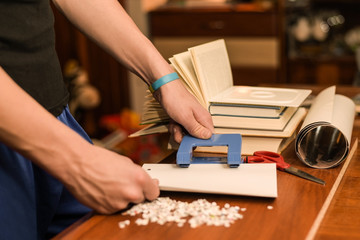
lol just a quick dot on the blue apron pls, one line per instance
(33, 204)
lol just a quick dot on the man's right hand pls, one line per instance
(107, 182)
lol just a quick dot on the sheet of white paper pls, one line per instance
(336, 110)
(266, 96)
(343, 115)
(248, 179)
(322, 108)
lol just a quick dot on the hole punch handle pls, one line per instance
(232, 141)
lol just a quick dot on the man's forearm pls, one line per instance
(107, 23)
(99, 178)
(29, 129)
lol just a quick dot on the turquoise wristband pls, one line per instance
(163, 80)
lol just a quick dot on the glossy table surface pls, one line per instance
(302, 210)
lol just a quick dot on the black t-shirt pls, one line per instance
(27, 51)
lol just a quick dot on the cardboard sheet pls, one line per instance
(248, 179)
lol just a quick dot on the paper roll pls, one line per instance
(324, 138)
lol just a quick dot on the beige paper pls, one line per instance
(324, 138)
(248, 179)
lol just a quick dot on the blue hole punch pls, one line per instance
(233, 141)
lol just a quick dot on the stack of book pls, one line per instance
(265, 117)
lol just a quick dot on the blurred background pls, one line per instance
(269, 42)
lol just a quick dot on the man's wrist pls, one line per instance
(162, 81)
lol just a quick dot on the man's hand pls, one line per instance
(99, 178)
(185, 110)
(107, 182)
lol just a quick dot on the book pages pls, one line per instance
(183, 64)
(249, 145)
(288, 131)
(153, 111)
(254, 122)
(212, 67)
(242, 110)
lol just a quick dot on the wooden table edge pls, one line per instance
(314, 228)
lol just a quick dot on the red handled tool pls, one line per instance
(272, 157)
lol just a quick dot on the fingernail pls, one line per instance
(206, 134)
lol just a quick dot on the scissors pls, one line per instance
(272, 157)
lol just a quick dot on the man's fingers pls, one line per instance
(176, 132)
(199, 129)
(201, 132)
(204, 119)
(151, 189)
(156, 181)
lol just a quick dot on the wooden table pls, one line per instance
(302, 210)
